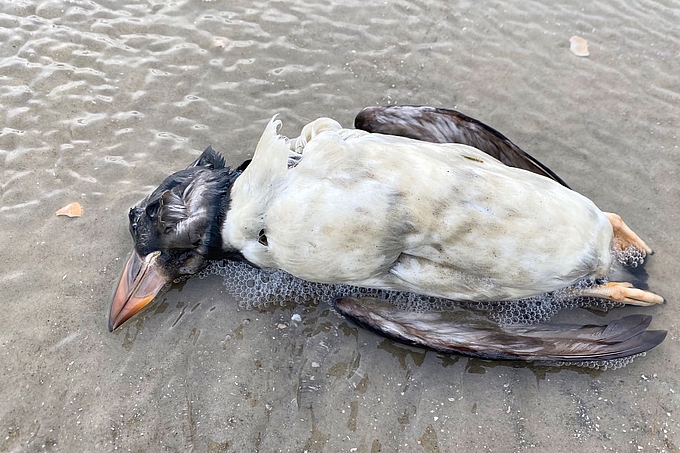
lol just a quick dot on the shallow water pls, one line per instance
(101, 100)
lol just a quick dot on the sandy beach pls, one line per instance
(101, 100)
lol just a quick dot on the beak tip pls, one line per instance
(141, 280)
(114, 321)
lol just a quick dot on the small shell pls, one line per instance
(71, 210)
(579, 46)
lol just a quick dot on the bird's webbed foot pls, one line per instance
(627, 246)
(621, 292)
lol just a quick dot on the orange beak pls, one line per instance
(142, 279)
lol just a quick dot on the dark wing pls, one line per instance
(448, 126)
(464, 332)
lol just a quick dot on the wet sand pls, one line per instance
(102, 100)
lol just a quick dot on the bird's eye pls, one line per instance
(262, 239)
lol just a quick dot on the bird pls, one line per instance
(414, 198)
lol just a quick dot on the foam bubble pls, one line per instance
(603, 365)
(253, 287)
(630, 256)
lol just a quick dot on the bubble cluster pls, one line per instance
(603, 365)
(630, 256)
(539, 309)
(254, 288)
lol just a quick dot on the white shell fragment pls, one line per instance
(579, 46)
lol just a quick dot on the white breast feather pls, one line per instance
(390, 212)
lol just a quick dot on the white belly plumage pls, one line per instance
(346, 206)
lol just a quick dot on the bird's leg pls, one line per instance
(627, 246)
(621, 292)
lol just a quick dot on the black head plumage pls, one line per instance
(181, 218)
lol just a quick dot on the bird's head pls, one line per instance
(176, 230)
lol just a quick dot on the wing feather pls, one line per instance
(439, 125)
(466, 333)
